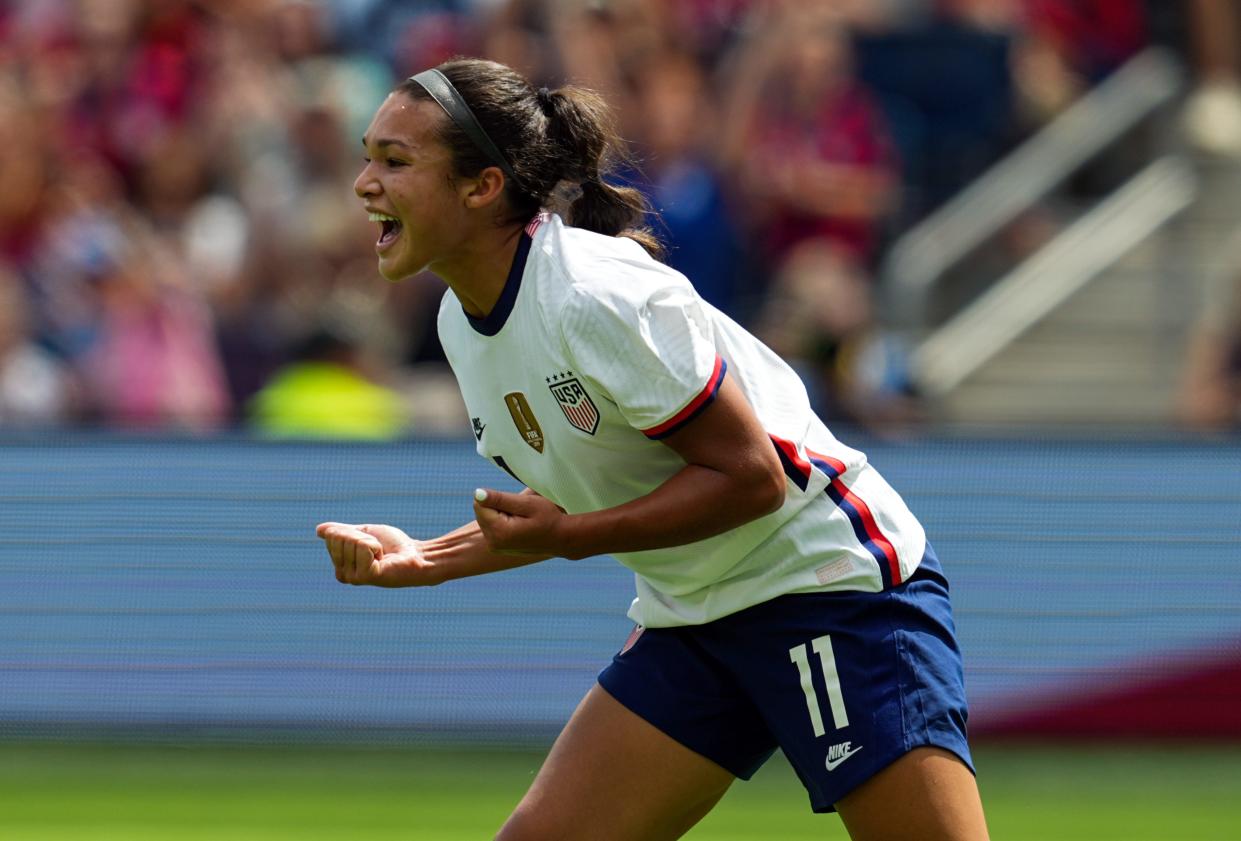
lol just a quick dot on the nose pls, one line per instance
(366, 185)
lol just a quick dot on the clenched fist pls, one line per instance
(521, 524)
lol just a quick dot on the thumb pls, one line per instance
(505, 503)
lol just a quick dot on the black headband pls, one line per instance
(436, 83)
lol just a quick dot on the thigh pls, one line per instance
(927, 795)
(611, 776)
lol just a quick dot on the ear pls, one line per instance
(484, 190)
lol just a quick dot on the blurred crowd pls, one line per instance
(180, 246)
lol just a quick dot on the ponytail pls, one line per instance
(561, 146)
(618, 211)
(580, 124)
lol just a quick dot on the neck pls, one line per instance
(477, 275)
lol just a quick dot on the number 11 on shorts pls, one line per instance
(823, 647)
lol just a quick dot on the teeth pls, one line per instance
(382, 217)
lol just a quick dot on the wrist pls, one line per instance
(413, 568)
(571, 537)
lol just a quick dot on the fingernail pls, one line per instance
(480, 495)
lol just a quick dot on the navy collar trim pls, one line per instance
(494, 321)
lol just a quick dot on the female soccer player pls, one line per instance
(786, 596)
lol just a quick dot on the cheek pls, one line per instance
(419, 200)
(437, 212)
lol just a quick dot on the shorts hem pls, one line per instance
(741, 773)
(955, 748)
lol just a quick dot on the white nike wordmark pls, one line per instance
(837, 754)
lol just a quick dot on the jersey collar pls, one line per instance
(493, 322)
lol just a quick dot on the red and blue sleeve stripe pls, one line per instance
(865, 528)
(695, 407)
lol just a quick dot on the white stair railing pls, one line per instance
(918, 261)
(1048, 277)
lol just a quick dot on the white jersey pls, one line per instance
(593, 353)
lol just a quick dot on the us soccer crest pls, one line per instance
(579, 410)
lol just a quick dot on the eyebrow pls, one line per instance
(384, 141)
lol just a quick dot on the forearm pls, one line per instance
(464, 552)
(732, 475)
(696, 503)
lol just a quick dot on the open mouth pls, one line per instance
(389, 229)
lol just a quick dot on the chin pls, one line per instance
(393, 271)
(387, 273)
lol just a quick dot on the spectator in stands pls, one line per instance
(819, 316)
(1210, 395)
(76, 235)
(805, 139)
(1213, 112)
(23, 171)
(683, 182)
(326, 393)
(155, 362)
(36, 388)
(945, 85)
(1060, 48)
(818, 173)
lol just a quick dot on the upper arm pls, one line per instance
(654, 354)
(727, 436)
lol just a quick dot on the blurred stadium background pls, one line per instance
(999, 238)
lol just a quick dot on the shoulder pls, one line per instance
(449, 310)
(606, 272)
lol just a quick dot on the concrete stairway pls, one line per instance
(1114, 352)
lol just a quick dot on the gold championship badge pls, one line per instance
(527, 423)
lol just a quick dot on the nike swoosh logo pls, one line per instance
(832, 765)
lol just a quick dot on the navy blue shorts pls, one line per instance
(844, 683)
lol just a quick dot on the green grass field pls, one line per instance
(92, 792)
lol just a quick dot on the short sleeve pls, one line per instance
(653, 354)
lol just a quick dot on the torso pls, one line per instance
(588, 348)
